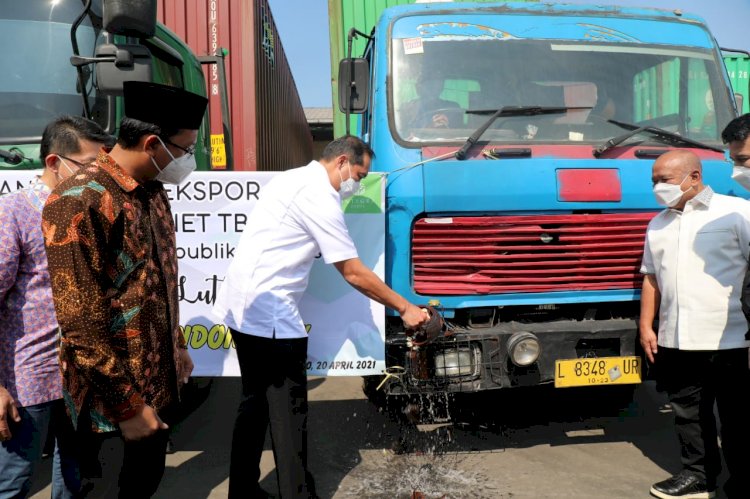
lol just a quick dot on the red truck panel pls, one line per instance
(528, 253)
(270, 132)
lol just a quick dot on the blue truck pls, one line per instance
(518, 141)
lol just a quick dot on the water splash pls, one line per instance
(432, 476)
(424, 463)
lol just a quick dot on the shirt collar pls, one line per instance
(317, 164)
(703, 197)
(109, 165)
(38, 186)
(38, 192)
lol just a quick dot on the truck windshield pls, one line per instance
(678, 89)
(38, 82)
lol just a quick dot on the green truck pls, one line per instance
(74, 61)
(71, 57)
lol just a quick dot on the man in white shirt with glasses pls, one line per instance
(297, 219)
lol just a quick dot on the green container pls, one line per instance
(738, 67)
(657, 96)
(362, 15)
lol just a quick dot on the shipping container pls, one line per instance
(738, 67)
(361, 15)
(269, 129)
(657, 95)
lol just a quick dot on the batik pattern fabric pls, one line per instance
(29, 368)
(112, 258)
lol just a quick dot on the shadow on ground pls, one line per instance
(359, 450)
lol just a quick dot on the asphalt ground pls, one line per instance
(533, 444)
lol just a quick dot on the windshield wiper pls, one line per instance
(670, 138)
(506, 111)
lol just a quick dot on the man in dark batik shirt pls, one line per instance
(110, 244)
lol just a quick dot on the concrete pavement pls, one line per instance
(529, 447)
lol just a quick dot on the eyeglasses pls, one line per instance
(77, 163)
(189, 151)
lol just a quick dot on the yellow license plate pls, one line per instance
(597, 371)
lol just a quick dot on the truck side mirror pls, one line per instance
(739, 99)
(130, 17)
(116, 64)
(354, 82)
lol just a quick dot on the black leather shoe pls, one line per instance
(685, 485)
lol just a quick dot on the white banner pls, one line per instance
(13, 180)
(347, 330)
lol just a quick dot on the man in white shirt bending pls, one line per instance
(695, 259)
(297, 218)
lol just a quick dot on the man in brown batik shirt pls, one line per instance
(110, 244)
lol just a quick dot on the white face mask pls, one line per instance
(669, 194)
(177, 170)
(741, 175)
(67, 166)
(349, 186)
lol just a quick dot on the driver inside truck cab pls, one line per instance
(429, 109)
(605, 105)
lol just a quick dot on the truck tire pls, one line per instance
(370, 389)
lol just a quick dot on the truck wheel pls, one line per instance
(370, 389)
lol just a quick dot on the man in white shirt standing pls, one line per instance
(297, 218)
(695, 259)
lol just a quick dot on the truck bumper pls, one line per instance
(478, 359)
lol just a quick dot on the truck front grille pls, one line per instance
(528, 254)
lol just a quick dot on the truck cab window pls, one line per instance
(34, 90)
(643, 84)
(166, 69)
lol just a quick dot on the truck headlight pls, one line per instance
(458, 362)
(523, 349)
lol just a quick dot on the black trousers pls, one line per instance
(274, 391)
(694, 380)
(114, 468)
